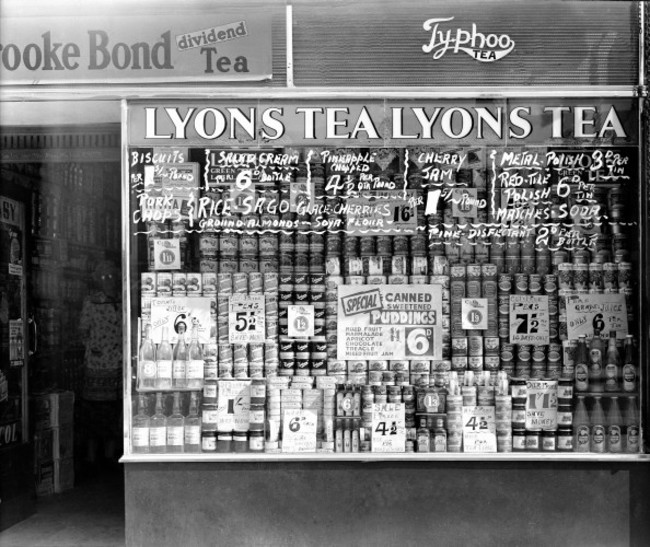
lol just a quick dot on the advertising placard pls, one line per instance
(388, 427)
(389, 322)
(179, 314)
(529, 322)
(479, 429)
(299, 431)
(234, 405)
(246, 319)
(607, 312)
(541, 404)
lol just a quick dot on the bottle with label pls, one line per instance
(582, 441)
(629, 366)
(179, 366)
(632, 432)
(598, 427)
(164, 358)
(612, 365)
(147, 361)
(439, 442)
(596, 355)
(192, 426)
(158, 429)
(140, 429)
(614, 427)
(423, 436)
(176, 427)
(195, 363)
(582, 365)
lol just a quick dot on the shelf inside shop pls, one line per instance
(606, 394)
(396, 457)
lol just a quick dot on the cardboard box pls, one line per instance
(43, 446)
(63, 475)
(44, 476)
(52, 409)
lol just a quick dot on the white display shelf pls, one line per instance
(369, 457)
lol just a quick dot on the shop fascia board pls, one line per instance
(155, 92)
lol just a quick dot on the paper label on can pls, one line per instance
(246, 318)
(388, 427)
(479, 429)
(529, 319)
(299, 431)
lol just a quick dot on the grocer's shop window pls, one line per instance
(387, 299)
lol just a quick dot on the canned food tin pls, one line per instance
(581, 276)
(565, 276)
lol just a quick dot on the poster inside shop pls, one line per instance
(479, 429)
(585, 313)
(389, 322)
(541, 404)
(382, 213)
(529, 319)
(299, 431)
(388, 427)
(246, 319)
(234, 405)
(178, 315)
(171, 191)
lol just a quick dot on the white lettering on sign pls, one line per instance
(485, 48)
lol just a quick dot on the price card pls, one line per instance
(388, 427)
(479, 429)
(301, 321)
(246, 319)
(529, 323)
(299, 431)
(474, 313)
(606, 312)
(234, 405)
(167, 254)
(464, 202)
(541, 404)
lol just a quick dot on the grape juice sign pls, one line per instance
(389, 322)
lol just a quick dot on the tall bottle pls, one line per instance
(629, 366)
(179, 367)
(614, 427)
(612, 365)
(158, 428)
(192, 433)
(176, 427)
(596, 355)
(194, 373)
(164, 358)
(632, 433)
(147, 361)
(582, 365)
(423, 437)
(140, 429)
(598, 427)
(582, 440)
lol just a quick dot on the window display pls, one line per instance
(469, 287)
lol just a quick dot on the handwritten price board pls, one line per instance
(179, 314)
(299, 431)
(529, 323)
(541, 404)
(388, 427)
(246, 319)
(301, 321)
(234, 405)
(479, 429)
(606, 312)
